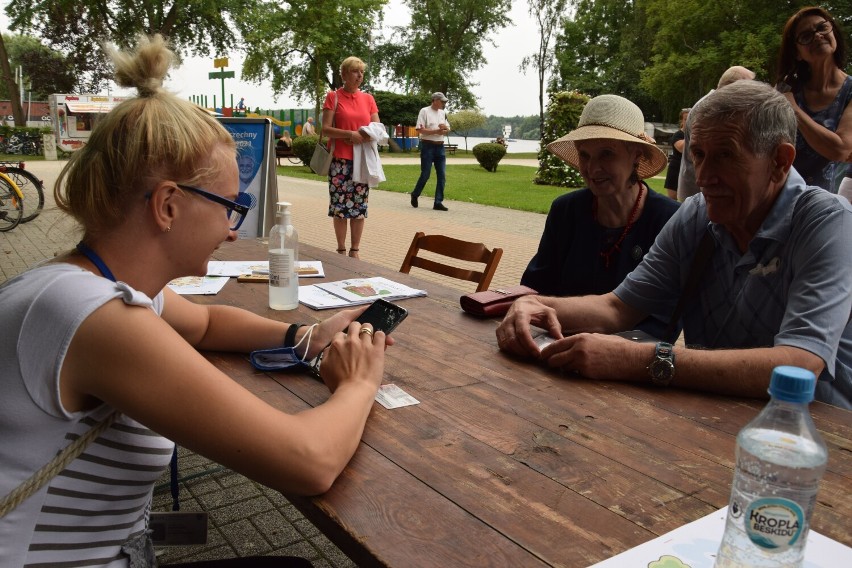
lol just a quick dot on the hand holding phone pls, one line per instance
(382, 315)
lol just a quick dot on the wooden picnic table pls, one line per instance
(507, 463)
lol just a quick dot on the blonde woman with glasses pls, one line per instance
(95, 342)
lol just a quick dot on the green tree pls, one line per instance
(548, 15)
(299, 46)
(78, 28)
(9, 80)
(398, 109)
(695, 42)
(45, 71)
(603, 49)
(465, 120)
(442, 46)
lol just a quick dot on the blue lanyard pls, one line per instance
(96, 260)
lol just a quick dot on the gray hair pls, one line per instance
(768, 118)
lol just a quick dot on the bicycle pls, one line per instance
(31, 187)
(11, 203)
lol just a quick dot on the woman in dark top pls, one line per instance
(594, 237)
(811, 76)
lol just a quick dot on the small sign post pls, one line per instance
(221, 63)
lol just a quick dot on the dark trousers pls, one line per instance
(432, 154)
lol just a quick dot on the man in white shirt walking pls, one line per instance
(432, 126)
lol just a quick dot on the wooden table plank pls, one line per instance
(508, 463)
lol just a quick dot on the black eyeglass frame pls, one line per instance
(807, 37)
(240, 208)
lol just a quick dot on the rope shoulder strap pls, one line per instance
(53, 467)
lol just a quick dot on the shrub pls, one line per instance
(563, 114)
(303, 147)
(489, 154)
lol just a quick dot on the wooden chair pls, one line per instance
(457, 249)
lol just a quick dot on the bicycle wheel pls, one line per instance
(11, 207)
(31, 187)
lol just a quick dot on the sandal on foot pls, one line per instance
(354, 253)
(341, 251)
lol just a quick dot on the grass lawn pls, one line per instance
(19, 158)
(511, 187)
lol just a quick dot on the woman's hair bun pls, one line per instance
(145, 67)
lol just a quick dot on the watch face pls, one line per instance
(662, 371)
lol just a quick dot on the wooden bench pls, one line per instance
(281, 152)
(451, 148)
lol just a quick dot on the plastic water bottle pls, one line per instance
(780, 460)
(283, 255)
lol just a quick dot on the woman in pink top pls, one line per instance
(354, 110)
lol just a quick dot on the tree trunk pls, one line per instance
(14, 95)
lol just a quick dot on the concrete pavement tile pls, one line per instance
(305, 527)
(246, 539)
(242, 509)
(228, 496)
(276, 528)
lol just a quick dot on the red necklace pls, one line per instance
(606, 254)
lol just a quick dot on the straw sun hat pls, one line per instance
(615, 118)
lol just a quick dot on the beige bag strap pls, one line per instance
(52, 468)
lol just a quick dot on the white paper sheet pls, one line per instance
(694, 545)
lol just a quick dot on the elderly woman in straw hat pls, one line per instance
(595, 236)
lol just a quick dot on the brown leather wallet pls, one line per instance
(493, 303)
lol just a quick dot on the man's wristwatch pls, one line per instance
(662, 367)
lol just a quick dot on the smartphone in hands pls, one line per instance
(382, 315)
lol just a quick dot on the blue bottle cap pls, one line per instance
(792, 384)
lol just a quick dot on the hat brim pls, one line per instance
(652, 162)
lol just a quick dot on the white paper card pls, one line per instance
(306, 268)
(391, 396)
(695, 544)
(203, 285)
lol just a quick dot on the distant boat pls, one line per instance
(507, 131)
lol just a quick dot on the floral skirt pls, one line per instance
(347, 199)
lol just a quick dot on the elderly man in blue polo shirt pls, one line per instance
(776, 287)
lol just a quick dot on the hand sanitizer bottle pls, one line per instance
(283, 256)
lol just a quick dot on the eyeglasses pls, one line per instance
(236, 210)
(806, 37)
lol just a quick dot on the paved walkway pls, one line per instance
(247, 518)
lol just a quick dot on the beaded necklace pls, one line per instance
(606, 254)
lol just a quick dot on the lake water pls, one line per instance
(515, 146)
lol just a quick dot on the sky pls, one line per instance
(502, 89)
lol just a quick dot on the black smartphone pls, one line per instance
(638, 336)
(382, 315)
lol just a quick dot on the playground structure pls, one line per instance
(282, 119)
